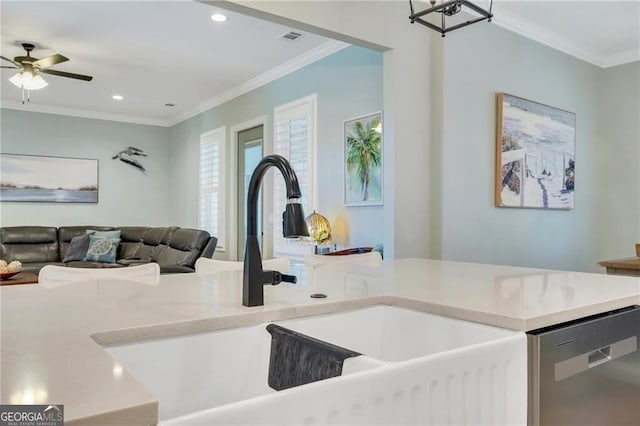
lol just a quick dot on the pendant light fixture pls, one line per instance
(447, 9)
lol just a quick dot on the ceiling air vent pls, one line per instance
(292, 35)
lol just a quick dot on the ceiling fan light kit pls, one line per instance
(26, 80)
(29, 68)
(447, 9)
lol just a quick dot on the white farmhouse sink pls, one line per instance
(191, 373)
(390, 334)
(416, 368)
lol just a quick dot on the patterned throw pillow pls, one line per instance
(104, 234)
(102, 249)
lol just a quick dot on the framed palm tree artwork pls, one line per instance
(363, 160)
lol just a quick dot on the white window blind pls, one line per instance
(294, 140)
(212, 181)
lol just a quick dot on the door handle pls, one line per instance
(587, 360)
(599, 356)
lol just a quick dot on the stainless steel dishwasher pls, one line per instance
(586, 372)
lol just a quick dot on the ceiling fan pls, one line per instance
(29, 69)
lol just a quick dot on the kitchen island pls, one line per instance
(52, 338)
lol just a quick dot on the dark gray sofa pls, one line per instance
(174, 249)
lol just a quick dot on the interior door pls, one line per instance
(249, 155)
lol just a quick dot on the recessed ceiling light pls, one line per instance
(218, 17)
(117, 97)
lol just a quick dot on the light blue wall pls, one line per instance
(126, 196)
(469, 67)
(348, 84)
(484, 59)
(619, 160)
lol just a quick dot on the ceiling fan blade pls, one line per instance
(50, 60)
(13, 68)
(10, 60)
(68, 74)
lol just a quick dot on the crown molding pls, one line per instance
(72, 112)
(558, 42)
(621, 58)
(546, 37)
(288, 67)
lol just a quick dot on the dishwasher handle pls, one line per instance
(599, 356)
(591, 359)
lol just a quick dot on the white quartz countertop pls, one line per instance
(51, 339)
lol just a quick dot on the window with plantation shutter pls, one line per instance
(294, 126)
(212, 180)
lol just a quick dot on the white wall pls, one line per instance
(407, 100)
(126, 196)
(348, 84)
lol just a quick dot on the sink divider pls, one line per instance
(297, 359)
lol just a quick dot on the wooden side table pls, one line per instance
(21, 278)
(629, 266)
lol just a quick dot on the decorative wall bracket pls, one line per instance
(127, 156)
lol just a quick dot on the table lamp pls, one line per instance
(319, 229)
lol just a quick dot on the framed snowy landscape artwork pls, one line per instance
(535, 155)
(33, 178)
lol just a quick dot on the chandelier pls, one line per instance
(448, 9)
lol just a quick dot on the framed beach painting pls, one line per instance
(363, 160)
(535, 155)
(32, 178)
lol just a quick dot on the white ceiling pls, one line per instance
(603, 32)
(151, 53)
(157, 52)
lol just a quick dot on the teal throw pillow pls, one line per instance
(102, 249)
(104, 234)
